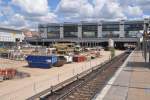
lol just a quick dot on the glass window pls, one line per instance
(131, 33)
(110, 27)
(53, 32)
(89, 31)
(111, 34)
(133, 27)
(41, 29)
(71, 31)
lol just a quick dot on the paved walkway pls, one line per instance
(131, 83)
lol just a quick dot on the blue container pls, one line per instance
(37, 61)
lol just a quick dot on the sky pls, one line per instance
(29, 13)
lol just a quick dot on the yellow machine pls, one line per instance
(64, 48)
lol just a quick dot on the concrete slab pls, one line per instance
(123, 79)
(138, 94)
(140, 77)
(140, 85)
(116, 93)
(119, 89)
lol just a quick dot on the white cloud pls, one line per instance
(48, 18)
(15, 21)
(99, 4)
(18, 20)
(83, 9)
(32, 6)
(134, 11)
(86, 10)
(75, 8)
(109, 9)
(32, 12)
(29, 22)
(29, 16)
(144, 5)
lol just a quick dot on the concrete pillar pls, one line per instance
(121, 28)
(86, 44)
(99, 33)
(94, 44)
(61, 31)
(80, 30)
(44, 34)
(146, 22)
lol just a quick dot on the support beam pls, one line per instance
(99, 33)
(44, 34)
(80, 30)
(146, 22)
(61, 31)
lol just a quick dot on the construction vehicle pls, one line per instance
(64, 48)
(78, 49)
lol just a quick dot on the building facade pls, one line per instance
(103, 29)
(82, 32)
(9, 36)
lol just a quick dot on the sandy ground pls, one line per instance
(19, 89)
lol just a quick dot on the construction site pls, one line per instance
(110, 67)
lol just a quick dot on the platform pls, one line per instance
(131, 83)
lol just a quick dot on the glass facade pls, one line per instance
(110, 30)
(131, 33)
(89, 31)
(71, 31)
(41, 29)
(133, 26)
(113, 34)
(110, 27)
(53, 32)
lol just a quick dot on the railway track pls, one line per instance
(88, 86)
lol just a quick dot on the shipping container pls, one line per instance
(41, 61)
(79, 58)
